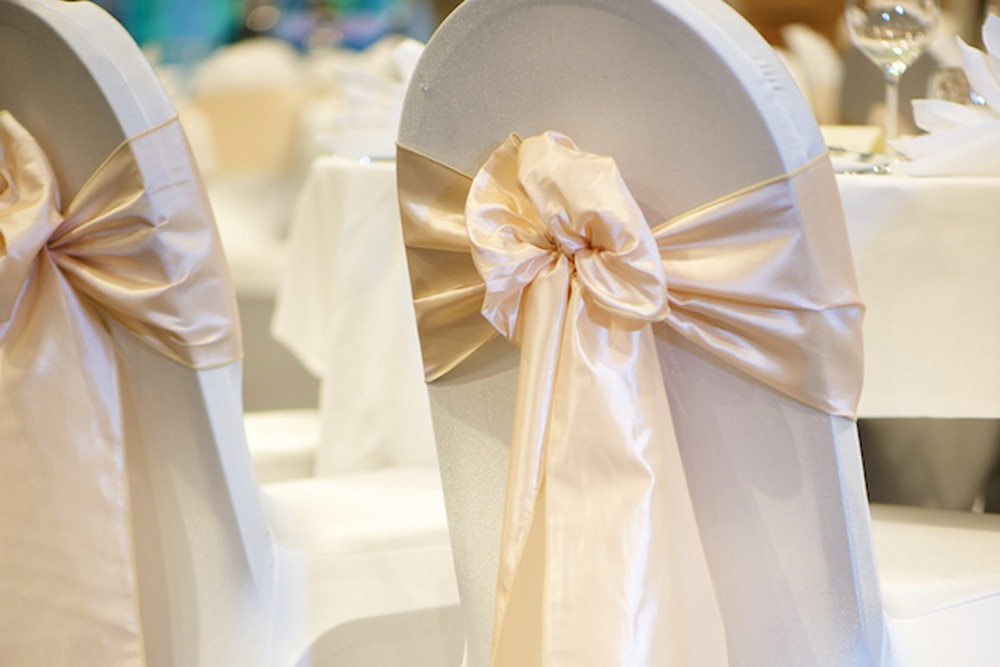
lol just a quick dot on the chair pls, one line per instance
(822, 68)
(693, 106)
(199, 568)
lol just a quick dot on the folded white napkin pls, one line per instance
(962, 139)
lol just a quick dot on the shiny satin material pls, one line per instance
(135, 246)
(548, 243)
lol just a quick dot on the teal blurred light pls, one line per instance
(181, 31)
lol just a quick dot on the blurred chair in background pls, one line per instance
(248, 99)
(327, 278)
(770, 17)
(821, 70)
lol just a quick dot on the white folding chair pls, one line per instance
(351, 571)
(693, 105)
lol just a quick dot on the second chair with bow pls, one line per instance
(668, 473)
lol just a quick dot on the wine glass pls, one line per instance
(893, 34)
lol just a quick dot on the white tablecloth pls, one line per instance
(927, 254)
(344, 309)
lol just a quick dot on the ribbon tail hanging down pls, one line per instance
(519, 604)
(601, 561)
(64, 524)
(610, 498)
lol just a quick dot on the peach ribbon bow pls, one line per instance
(601, 562)
(135, 246)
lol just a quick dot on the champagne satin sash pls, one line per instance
(547, 246)
(135, 246)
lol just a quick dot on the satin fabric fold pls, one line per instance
(547, 242)
(135, 246)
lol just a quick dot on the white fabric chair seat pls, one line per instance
(283, 444)
(940, 582)
(371, 546)
(931, 560)
(384, 510)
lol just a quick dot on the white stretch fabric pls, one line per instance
(692, 104)
(222, 578)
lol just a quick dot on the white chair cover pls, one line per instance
(693, 106)
(760, 280)
(195, 570)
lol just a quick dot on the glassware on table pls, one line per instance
(893, 34)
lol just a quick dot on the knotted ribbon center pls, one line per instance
(527, 214)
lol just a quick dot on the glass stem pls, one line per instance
(891, 109)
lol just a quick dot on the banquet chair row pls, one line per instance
(132, 529)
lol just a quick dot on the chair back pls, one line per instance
(78, 83)
(693, 105)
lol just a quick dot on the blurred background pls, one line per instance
(183, 38)
(265, 88)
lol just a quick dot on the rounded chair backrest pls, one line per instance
(79, 84)
(75, 82)
(693, 105)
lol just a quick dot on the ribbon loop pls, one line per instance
(29, 209)
(526, 209)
